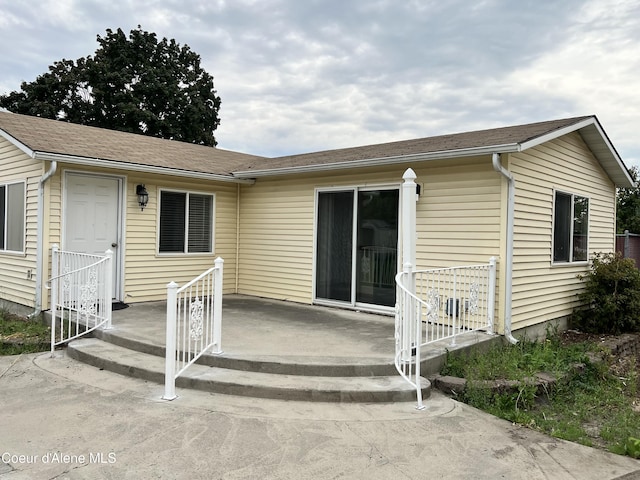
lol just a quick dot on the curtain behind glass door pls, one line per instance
(334, 245)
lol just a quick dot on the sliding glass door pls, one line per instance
(357, 245)
(334, 247)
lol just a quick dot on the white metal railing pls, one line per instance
(81, 294)
(378, 265)
(440, 304)
(194, 323)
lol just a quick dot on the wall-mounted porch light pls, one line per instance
(143, 196)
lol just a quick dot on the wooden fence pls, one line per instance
(628, 244)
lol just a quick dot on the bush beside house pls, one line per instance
(611, 297)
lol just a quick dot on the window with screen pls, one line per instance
(186, 222)
(570, 228)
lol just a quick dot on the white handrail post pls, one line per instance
(170, 351)
(417, 334)
(54, 294)
(453, 307)
(410, 331)
(108, 287)
(408, 313)
(409, 199)
(491, 307)
(408, 257)
(217, 306)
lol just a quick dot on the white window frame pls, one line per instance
(188, 193)
(570, 261)
(6, 186)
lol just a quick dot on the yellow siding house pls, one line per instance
(307, 228)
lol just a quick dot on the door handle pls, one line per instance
(114, 245)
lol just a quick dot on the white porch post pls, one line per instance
(217, 306)
(54, 294)
(170, 347)
(411, 326)
(491, 308)
(108, 285)
(409, 261)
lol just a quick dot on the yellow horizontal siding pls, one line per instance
(276, 238)
(147, 273)
(458, 221)
(542, 291)
(16, 285)
(458, 214)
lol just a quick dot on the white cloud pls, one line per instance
(596, 69)
(298, 76)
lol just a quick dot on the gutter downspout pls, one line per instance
(40, 240)
(237, 279)
(497, 166)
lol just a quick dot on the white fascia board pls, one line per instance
(557, 133)
(136, 167)
(17, 143)
(371, 162)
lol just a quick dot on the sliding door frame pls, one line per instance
(355, 189)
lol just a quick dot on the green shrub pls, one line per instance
(611, 299)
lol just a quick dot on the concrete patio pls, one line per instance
(272, 349)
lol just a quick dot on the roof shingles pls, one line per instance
(441, 143)
(64, 138)
(131, 150)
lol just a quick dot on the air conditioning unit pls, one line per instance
(450, 309)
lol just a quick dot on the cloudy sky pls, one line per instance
(305, 75)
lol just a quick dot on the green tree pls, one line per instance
(136, 84)
(628, 206)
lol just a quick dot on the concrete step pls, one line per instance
(137, 364)
(284, 365)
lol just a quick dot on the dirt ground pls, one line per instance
(625, 363)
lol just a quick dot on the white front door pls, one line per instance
(92, 218)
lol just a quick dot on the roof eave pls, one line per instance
(11, 139)
(372, 162)
(136, 167)
(607, 155)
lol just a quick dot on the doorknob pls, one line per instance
(114, 244)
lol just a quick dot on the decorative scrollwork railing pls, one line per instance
(439, 304)
(194, 323)
(81, 294)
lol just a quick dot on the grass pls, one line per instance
(22, 335)
(594, 403)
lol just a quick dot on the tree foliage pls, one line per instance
(136, 84)
(628, 206)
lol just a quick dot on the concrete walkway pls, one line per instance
(62, 419)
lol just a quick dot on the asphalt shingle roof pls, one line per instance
(64, 138)
(89, 143)
(441, 143)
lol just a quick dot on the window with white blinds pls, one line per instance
(186, 222)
